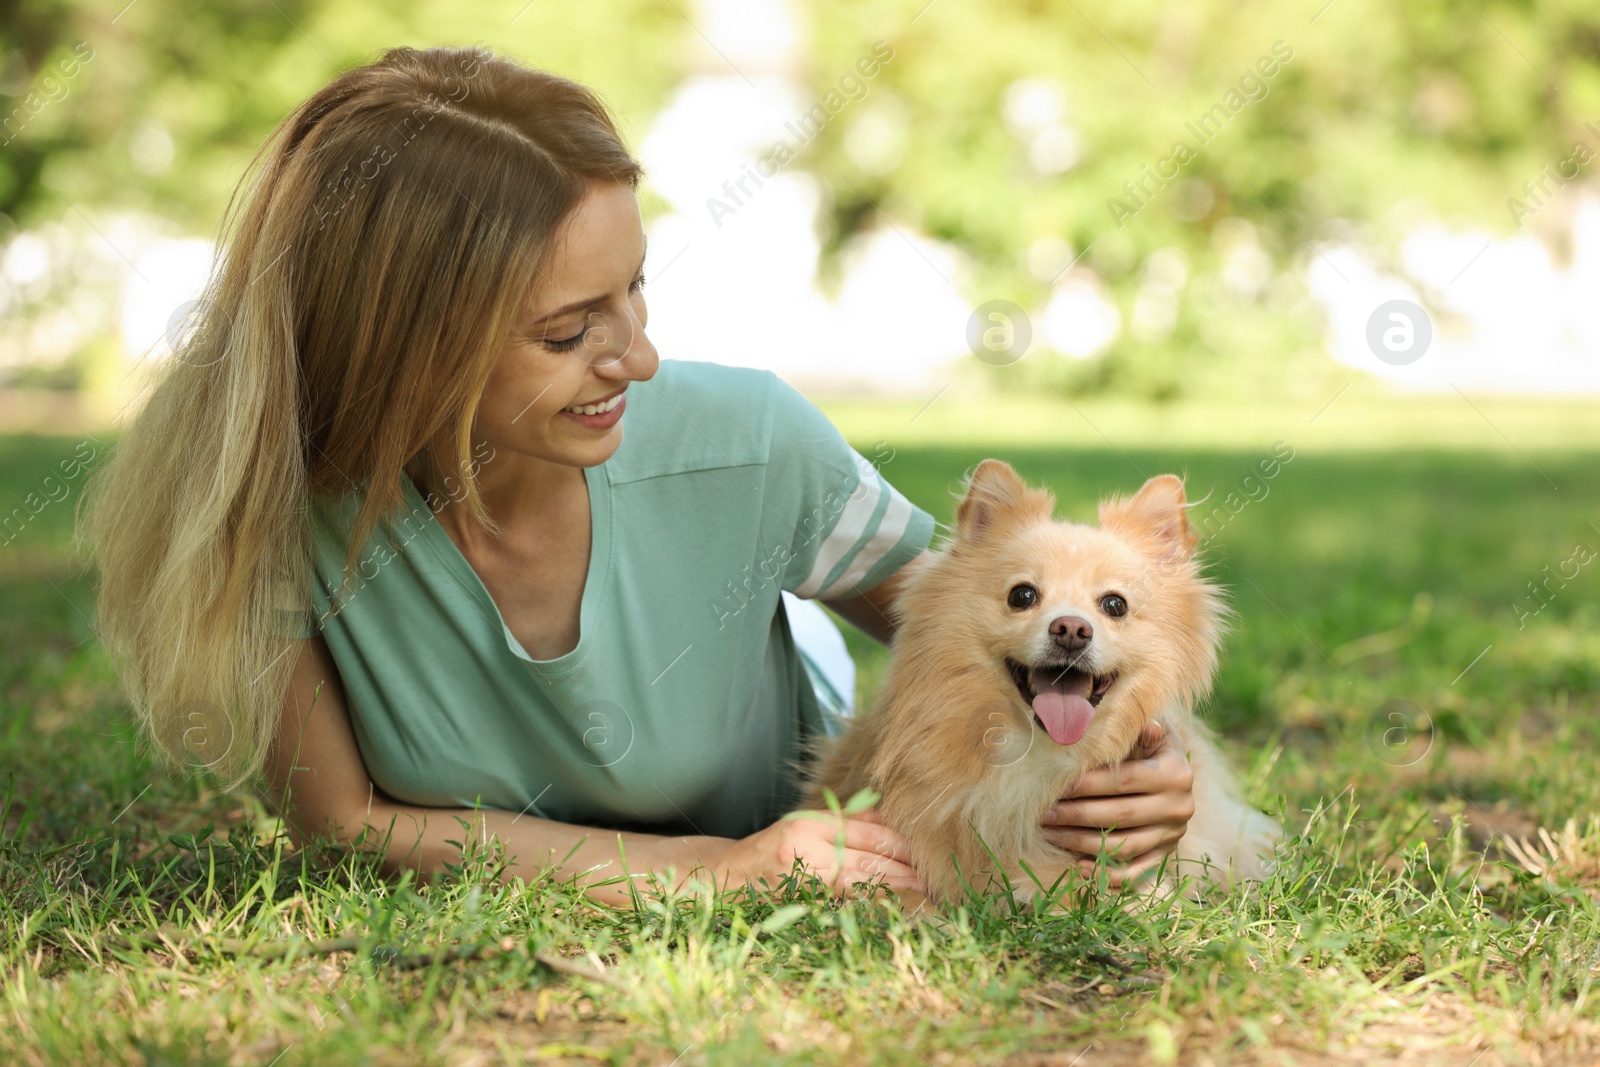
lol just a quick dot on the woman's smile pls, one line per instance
(598, 415)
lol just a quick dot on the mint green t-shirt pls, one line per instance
(685, 706)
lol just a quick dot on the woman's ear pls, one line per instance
(995, 493)
(1155, 514)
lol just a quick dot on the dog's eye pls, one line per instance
(1022, 596)
(1114, 605)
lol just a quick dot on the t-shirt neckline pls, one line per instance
(594, 583)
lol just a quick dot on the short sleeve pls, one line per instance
(851, 528)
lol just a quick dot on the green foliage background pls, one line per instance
(1386, 116)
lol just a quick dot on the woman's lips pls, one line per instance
(602, 421)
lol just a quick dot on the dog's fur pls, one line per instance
(954, 748)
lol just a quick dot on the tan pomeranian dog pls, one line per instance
(1029, 652)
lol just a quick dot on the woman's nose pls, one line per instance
(630, 353)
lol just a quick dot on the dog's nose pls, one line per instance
(1071, 632)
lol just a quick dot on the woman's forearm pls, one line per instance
(426, 839)
(316, 778)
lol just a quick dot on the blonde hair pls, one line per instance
(389, 238)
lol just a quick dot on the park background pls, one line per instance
(1101, 241)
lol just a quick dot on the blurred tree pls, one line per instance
(158, 87)
(179, 95)
(1192, 155)
(1017, 123)
(28, 35)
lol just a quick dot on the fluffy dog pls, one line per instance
(1031, 651)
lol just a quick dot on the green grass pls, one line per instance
(150, 920)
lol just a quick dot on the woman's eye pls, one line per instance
(566, 344)
(1113, 605)
(1022, 596)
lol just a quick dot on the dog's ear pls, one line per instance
(994, 491)
(1156, 513)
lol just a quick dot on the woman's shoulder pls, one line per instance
(717, 385)
(697, 415)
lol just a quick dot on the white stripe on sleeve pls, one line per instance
(893, 527)
(858, 511)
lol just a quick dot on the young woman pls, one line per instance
(416, 525)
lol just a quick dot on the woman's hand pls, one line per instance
(1145, 804)
(870, 849)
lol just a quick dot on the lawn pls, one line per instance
(1393, 687)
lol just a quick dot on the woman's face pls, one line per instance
(580, 343)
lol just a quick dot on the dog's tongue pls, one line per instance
(1062, 704)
